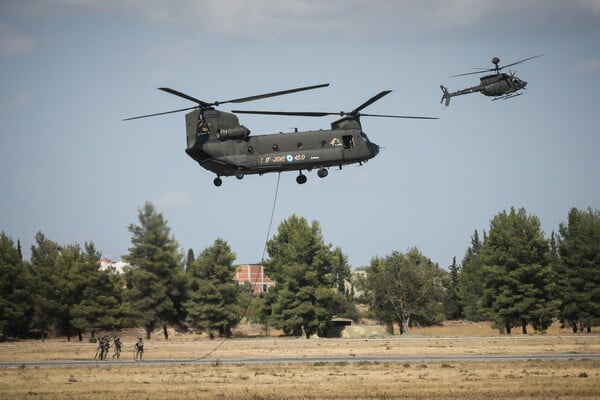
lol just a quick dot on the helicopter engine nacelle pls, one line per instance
(238, 132)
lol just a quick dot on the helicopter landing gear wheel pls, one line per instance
(322, 173)
(218, 181)
(239, 174)
(301, 179)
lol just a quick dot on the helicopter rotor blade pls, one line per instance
(396, 116)
(289, 113)
(160, 113)
(354, 113)
(272, 94)
(323, 114)
(519, 62)
(184, 96)
(482, 71)
(370, 101)
(242, 99)
(496, 67)
(205, 105)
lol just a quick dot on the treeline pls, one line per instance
(512, 275)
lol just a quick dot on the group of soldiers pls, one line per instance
(104, 347)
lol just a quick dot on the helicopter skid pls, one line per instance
(506, 97)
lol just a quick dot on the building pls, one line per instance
(116, 267)
(255, 274)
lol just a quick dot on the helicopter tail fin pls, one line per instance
(446, 96)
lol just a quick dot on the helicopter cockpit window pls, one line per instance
(348, 141)
(275, 147)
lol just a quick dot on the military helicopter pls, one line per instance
(498, 85)
(220, 144)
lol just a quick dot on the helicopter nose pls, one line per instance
(374, 149)
(523, 83)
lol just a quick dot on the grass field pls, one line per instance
(564, 379)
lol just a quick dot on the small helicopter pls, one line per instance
(499, 85)
(220, 144)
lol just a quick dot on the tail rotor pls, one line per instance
(445, 96)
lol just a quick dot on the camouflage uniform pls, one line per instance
(103, 346)
(138, 349)
(118, 346)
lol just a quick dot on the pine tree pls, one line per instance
(302, 265)
(47, 298)
(579, 269)
(15, 293)
(96, 294)
(189, 260)
(213, 292)
(453, 305)
(156, 281)
(519, 279)
(471, 281)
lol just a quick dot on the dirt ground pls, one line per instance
(527, 379)
(455, 338)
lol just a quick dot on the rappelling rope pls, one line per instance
(262, 259)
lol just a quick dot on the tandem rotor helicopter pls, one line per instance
(220, 144)
(498, 85)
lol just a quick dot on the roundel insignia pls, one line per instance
(289, 158)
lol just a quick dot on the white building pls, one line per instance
(116, 267)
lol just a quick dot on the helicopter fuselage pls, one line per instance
(217, 141)
(499, 85)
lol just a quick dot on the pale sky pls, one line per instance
(73, 69)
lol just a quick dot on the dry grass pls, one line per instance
(514, 380)
(565, 379)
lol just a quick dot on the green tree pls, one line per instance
(343, 303)
(405, 288)
(471, 281)
(96, 294)
(453, 305)
(48, 296)
(302, 266)
(579, 269)
(189, 259)
(15, 294)
(68, 285)
(340, 269)
(156, 281)
(213, 292)
(519, 279)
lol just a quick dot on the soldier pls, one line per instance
(118, 345)
(105, 346)
(138, 350)
(99, 350)
(102, 349)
